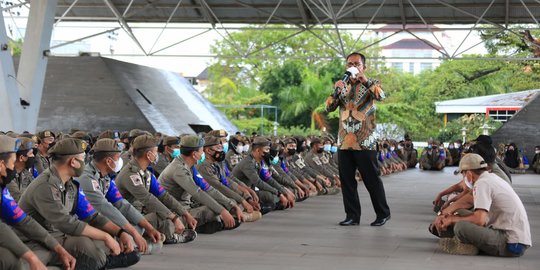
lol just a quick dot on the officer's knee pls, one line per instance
(87, 253)
(8, 260)
(460, 230)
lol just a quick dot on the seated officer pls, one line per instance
(314, 158)
(182, 180)
(249, 171)
(140, 187)
(102, 193)
(410, 154)
(432, 157)
(171, 150)
(45, 142)
(13, 251)
(213, 173)
(499, 225)
(283, 175)
(235, 153)
(24, 165)
(58, 203)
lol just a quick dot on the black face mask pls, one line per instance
(219, 156)
(51, 145)
(10, 175)
(320, 150)
(291, 152)
(30, 162)
(385, 145)
(300, 149)
(267, 157)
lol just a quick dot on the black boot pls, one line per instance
(123, 260)
(210, 227)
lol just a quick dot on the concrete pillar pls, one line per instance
(33, 62)
(10, 108)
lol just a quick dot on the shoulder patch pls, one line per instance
(56, 194)
(95, 185)
(136, 179)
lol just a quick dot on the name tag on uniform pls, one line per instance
(136, 180)
(317, 161)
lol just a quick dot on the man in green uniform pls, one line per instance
(251, 171)
(214, 174)
(46, 249)
(182, 180)
(171, 150)
(102, 193)
(24, 166)
(45, 142)
(432, 157)
(58, 203)
(313, 159)
(140, 187)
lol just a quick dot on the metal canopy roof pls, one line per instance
(304, 12)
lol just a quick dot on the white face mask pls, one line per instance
(537, 151)
(392, 148)
(118, 164)
(399, 147)
(246, 148)
(239, 148)
(467, 182)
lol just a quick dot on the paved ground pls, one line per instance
(307, 236)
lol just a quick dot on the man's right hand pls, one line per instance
(340, 85)
(155, 235)
(247, 207)
(179, 226)
(283, 200)
(33, 261)
(112, 245)
(227, 219)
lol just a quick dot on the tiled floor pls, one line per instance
(307, 237)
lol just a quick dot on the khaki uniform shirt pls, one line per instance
(20, 183)
(248, 171)
(232, 158)
(163, 162)
(60, 208)
(187, 185)
(142, 190)
(103, 194)
(42, 162)
(215, 176)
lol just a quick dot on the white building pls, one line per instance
(407, 53)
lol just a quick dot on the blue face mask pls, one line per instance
(226, 147)
(327, 147)
(333, 149)
(203, 157)
(275, 160)
(429, 147)
(175, 153)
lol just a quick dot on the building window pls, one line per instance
(397, 66)
(411, 67)
(424, 66)
(501, 115)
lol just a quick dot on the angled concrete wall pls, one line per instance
(523, 128)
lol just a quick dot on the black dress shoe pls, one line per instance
(380, 221)
(349, 222)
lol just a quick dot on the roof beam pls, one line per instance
(303, 12)
(124, 24)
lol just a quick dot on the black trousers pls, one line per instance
(366, 163)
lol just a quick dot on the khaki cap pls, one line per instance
(9, 144)
(27, 144)
(45, 134)
(106, 145)
(144, 141)
(471, 162)
(210, 140)
(192, 141)
(218, 133)
(68, 146)
(261, 141)
(171, 140)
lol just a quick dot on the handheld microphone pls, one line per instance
(351, 72)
